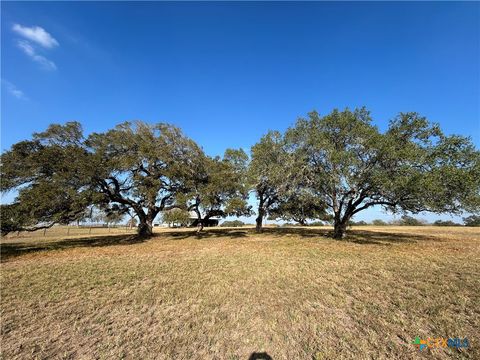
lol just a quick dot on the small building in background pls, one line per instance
(193, 221)
(206, 223)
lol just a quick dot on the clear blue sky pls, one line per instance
(228, 72)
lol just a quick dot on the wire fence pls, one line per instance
(66, 231)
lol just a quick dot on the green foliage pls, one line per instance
(266, 171)
(176, 216)
(379, 222)
(351, 166)
(110, 215)
(324, 167)
(410, 221)
(234, 223)
(472, 220)
(114, 217)
(49, 172)
(445, 223)
(218, 187)
(59, 173)
(298, 206)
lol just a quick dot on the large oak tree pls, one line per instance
(265, 173)
(59, 173)
(350, 165)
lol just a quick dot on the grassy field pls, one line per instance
(291, 292)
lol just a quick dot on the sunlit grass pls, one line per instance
(293, 293)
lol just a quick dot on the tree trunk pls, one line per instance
(199, 225)
(259, 222)
(199, 219)
(261, 213)
(340, 229)
(145, 228)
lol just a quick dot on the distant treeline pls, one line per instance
(472, 220)
(406, 220)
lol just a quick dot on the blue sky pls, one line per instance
(228, 72)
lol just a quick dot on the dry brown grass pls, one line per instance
(292, 293)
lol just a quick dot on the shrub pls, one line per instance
(445, 223)
(410, 221)
(472, 220)
(378, 222)
(234, 223)
(358, 223)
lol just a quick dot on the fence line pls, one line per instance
(73, 230)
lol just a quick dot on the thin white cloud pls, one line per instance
(13, 90)
(17, 93)
(28, 49)
(36, 34)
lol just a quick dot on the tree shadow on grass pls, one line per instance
(10, 250)
(260, 356)
(205, 234)
(14, 249)
(365, 237)
(357, 236)
(304, 231)
(362, 236)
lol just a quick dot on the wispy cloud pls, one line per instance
(35, 40)
(13, 90)
(36, 34)
(29, 50)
